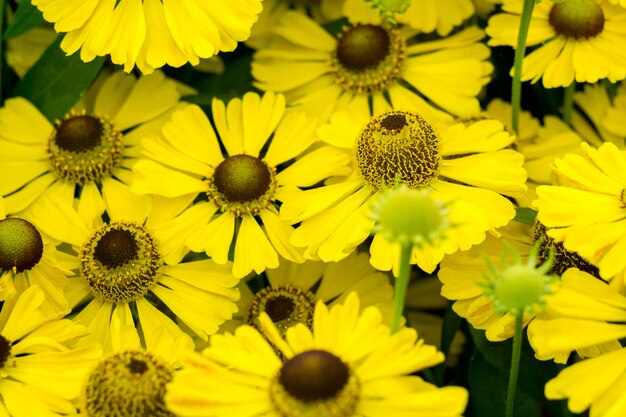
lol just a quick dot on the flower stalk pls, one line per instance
(520, 51)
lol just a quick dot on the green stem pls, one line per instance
(515, 358)
(402, 283)
(520, 51)
(568, 102)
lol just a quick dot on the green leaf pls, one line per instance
(56, 82)
(234, 82)
(525, 215)
(26, 17)
(488, 386)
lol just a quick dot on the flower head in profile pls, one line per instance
(91, 151)
(41, 372)
(587, 214)
(463, 275)
(295, 288)
(578, 40)
(372, 63)
(150, 33)
(463, 166)
(129, 274)
(28, 258)
(242, 167)
(347, 365)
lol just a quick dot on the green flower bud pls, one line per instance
(520, 286)
(409, 215)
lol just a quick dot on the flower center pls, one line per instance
(286, 306)
(84, 148)
(242, 184)
(367, 58)
(21, 246)
(315, 382)
(120, 262)
(128, 384)
(563, 259)
(577, 18)
(5, 351)
(398, 146)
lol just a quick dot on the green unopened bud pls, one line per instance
(388, 8)
(409, 215)
(520, 286)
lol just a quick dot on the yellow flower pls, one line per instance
(422, 15)
(150, 33)
(585, 315)
(92, 149)
(244, 184)
(28, 258)
(130, 381)
(128, 272)
(348, 365)
(580, 40)
(588, 214)
(596, 383)
(466, 166)
(41, 373)
(542, 143)
(325, 73)
(462, 275)
(294, 289)
(274, 10)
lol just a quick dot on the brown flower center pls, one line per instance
(84, 148)
(128, 384)
(577, 18)
(398, 146)
(563, 259)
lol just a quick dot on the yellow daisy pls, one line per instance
(28, 258)
(597, 384)
(274, 10)
(370, 62)
(466, 166)
(244, 183)
(541, 143)
(294, 289)
(41, 374)
(462, 275)
(24, 50)
(348, 365)
(91, 151)
(585, 315)
(130, 381)
(422, 15)
(588, 214)
(128, 268)
(579, 40)
(150, 33)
